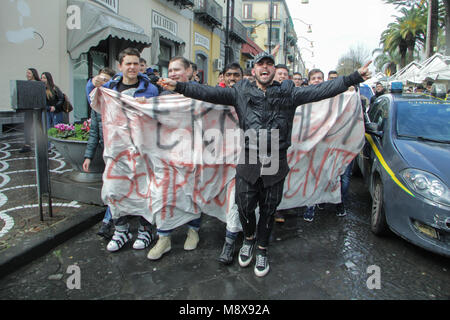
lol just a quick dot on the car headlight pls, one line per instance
(427, 185)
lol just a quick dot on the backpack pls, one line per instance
(67, 106)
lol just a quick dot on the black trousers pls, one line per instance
(248, 196)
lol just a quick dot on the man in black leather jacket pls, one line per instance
(270, 106)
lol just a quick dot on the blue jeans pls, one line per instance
(194, 224)
(345, 181)
(107, 218)
(54, 118)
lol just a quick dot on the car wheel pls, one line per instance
(378, 223)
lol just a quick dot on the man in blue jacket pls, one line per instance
(133, 83)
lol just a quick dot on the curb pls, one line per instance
(34, 247)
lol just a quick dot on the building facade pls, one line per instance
(73, 39)
(269, 28)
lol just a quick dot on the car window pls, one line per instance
(379, 112)
(426, 119)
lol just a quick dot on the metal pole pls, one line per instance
(37, 123)
(270, 25)
(227, 35)
(41, 158)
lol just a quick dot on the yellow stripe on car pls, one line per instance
(384, 164)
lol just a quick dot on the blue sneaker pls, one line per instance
(309, 214)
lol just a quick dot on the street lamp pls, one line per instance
(311, 42)
(308, 24)
(312, 52)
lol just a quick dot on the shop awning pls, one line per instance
(250, 48)
(167, 35)
(98, 24)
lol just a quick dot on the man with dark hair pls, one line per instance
(332, 75)
(379, 91)
(220, 80)
(281, 73)
(194, 75)
(297, 78)
(232, 73)
(315, 76)
(132, 83)
(96, 140)
(428, 85)
(267, 107)
(149, 72)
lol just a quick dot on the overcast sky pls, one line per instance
(338, 25)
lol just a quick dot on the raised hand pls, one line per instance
(364, 71)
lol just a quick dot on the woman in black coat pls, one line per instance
(55, 101)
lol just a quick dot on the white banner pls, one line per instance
(173, 158)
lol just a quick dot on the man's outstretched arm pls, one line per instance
(224, 96)
(328, 89)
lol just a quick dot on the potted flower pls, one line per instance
(70, 141)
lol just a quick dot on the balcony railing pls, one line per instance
(238, 30)
(183, 3)
(209, 11)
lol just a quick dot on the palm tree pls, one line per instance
(413, 26)
(403, 35)
(392, 41)
(385, 61)
(440, 18)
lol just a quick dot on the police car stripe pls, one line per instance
(384, 164)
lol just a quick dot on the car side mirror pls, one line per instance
(372, 128)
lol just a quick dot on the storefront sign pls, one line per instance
(162, 22)
(112, 5)
(200, 40)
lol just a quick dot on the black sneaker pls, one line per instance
(262, 263)
(105, 230)
(246, 252)
(226, 257)
(25, 149)
(340, 210)
(309, 214)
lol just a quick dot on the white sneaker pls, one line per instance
(118, 240)
(143, 239)
(192, 240)
(161, 247)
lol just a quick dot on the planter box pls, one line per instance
(73, 152)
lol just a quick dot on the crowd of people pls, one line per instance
(263, 82)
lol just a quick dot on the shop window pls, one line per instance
(165, 54)
(202, 66)
(248, 11)
(274, 11)
(80, 78)
(276, 35)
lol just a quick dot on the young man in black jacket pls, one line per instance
(267, 107)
